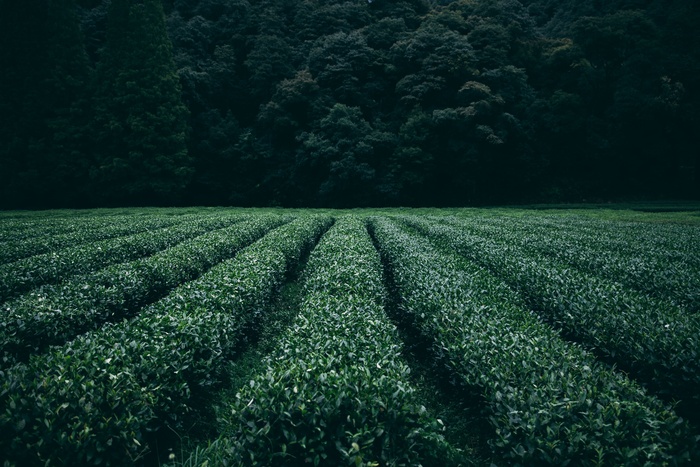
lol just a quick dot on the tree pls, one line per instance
(338, 160)
(433, 61)
(140, 121)
(301, 102)
(413, 163)
(44, 77)
(346, 65)
(269, 62)
(223, 171)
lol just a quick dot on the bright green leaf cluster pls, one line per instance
(104, 397)
(52, 315)
(336, 390)
(22, 275)
(549, 401)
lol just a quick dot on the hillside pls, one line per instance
(347, 103)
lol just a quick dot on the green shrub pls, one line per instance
(51, 237)
(550, 402)
(48, 268)
(336, 390)
(100, 398)
(658, 343)
(52, 315)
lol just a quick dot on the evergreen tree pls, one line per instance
(43, 95)
(141, 122)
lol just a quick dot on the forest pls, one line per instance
(347, 103)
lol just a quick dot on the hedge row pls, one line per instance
(336, 390)
(660, 271)
(54, 314)
(549, 401)
(660, 242)
(657, 342)
(677, 241)
(25, 274)
(90, 230)
(670, 242)
(103, 398)
(45, 224)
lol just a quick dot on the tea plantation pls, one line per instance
(270, 337)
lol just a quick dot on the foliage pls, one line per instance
(53, 267)
(54, 239)
(44, 103)
(462, 102)
(660, 260)
(140, 120)
(107, 395)
(656, 341)
(550, 402)
(335, 390)
(52, 315)
(118, 352)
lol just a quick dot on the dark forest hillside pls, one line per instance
(347, 102)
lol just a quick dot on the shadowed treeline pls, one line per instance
(345, 103)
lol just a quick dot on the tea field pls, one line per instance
(398, 337)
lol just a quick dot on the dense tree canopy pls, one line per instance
(140, 120)
(347, 102)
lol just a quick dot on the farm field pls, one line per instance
(435, 337)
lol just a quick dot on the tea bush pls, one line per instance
(336, 390)
(85, 231)
(22, 275)
(657, 342)
(550, 402)
(99, 398)
(52, 315)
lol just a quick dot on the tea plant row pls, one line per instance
(549, 401)
(657, 342)
(666, 273)
(53, 314)
(335, 391)
(108, 395)
(88, 230)
(48, 268)
(672, 240)
(44, 225)
(114, 347)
